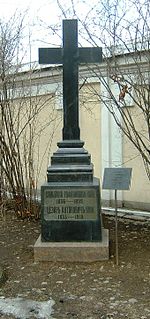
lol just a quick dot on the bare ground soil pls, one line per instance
(99, 290)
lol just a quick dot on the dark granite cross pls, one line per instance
(70, 56)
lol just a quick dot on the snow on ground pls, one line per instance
(24, 308)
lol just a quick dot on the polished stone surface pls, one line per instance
(71, 211)
(70, 56)
(70, 163)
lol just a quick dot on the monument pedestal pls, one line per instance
(72, 251)
(70, 200)
(71, 228)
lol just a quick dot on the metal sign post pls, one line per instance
(116, 227)
(117, 179)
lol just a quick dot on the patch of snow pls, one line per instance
(44, 283)
(25, 308)
(132, 300)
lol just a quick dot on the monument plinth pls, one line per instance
(70, 200)
(70, 163)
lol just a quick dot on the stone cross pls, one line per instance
(70, 55)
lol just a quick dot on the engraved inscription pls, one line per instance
(70, 204)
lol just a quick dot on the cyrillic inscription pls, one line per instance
(70, 204)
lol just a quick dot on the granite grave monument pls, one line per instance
(70, 200)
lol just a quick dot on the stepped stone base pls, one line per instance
(71, 162)
(72, 251)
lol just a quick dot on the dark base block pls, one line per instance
(71, 212)
(71, 231)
